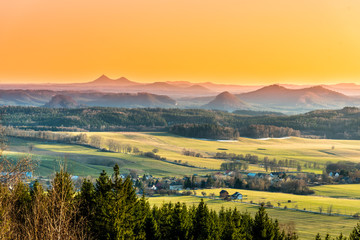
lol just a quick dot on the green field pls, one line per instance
(315, 150)
(307, 224)
(301, 202)
(85, 161)
(89, 161)
(351, 191)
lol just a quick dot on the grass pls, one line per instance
(307, 202)
(88, 161)
(307, 224)
(84, 161)
(301, 149)
(351, 191)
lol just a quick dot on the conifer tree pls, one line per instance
(200, 222)
(263, 228)
(355, 233)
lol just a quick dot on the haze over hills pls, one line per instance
(175, 89)
(123, 92)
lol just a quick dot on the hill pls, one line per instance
(132, 100)
(103, 81)
(226, 101)
(72, 99)
(62, 101)
(306, 98)
(25, 97)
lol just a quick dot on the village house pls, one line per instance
(237, 196)
(224, 194)
(176, 187)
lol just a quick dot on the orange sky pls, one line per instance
(227, 41)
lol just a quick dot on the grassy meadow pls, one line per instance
(306, 224)
(345, 206)
(88, 161)
(350, 191)
(314, 150)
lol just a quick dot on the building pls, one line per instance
(176, 187)
(237, 196)
(224, 194)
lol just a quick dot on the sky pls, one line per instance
(229, 41)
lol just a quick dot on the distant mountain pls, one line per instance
(103, 81)
(198, 88)
(305, 98)
(226, 101)
(72, 99)
(351, 89)
(131, 100)
(160, 86)
(25, 97)
(62, 101)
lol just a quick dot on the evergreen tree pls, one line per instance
(318, 237)
(201, 222)
(355, 234)
(263, 228)
(86, 199)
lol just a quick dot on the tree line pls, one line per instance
(338, 124)
(208, 131)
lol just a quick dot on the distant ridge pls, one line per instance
(226, 101)
(307, 98)
(104, 80)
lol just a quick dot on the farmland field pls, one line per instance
(85, 161)
(307, 224)
(351, 191)
(301, 202)
(171, 147)
(302, 149)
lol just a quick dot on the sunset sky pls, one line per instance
(227, 41)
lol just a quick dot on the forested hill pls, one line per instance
(340, 124)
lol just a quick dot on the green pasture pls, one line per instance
(312, 150)
(351, 191)
(301, 202)
(306, 224)
(89, 161)
(85, 161)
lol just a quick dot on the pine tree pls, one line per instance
(355, 234)
(263, 226)
(101, 224)
(151, 228)
(86, 199)
(201, 222)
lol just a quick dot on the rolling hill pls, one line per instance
(305, 98)
(62, 101)
(72, 99)
(226, 101)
